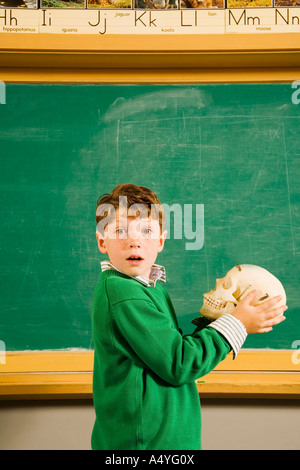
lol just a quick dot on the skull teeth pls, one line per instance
(214, 303)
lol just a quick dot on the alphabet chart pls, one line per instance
(149, 16)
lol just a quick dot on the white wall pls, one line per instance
(226, 424)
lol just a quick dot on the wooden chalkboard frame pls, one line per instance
(68, 374)
(77, 59)
(215, 58)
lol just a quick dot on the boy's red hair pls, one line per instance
(134, 195)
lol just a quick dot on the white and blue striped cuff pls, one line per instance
(232, 329)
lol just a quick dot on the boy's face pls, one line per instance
(132, 243)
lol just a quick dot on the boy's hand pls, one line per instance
(259, 318)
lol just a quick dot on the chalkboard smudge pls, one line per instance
(157, 101)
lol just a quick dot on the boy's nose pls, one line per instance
(134, 241)
(134, 238)
(135, 244)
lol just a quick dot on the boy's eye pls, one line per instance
(121, 231)
(147, 232)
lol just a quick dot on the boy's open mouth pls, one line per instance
(134, 259)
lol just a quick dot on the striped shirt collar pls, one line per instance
(157, 273)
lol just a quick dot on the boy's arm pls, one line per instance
(147, 336)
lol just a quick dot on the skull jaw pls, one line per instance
(213, 313)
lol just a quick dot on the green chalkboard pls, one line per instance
(232, 149)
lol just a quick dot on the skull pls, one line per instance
(237, 283)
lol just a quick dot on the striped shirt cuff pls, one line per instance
(232, 329)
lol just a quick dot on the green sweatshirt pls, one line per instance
(144, 389)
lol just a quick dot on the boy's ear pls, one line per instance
(101, 242)
(162, 239)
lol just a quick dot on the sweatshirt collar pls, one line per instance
(157, 273)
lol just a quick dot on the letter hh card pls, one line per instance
(19, 21)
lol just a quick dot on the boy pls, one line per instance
(145, 395)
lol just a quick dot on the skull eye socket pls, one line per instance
(227, 283)
(237, 294)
